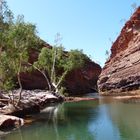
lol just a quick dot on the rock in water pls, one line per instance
(122, 71)
(7, 122)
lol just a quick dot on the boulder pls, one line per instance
(7, 122)
(32, 102)
(121, 72)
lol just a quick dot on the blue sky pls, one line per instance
(91, 25)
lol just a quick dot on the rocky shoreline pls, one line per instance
(32, 102)
(119, 93)
(8, 122)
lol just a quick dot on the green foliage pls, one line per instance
(62, 91)
(16, 40)
(58, 63)
(6, 15)
(45, 60)
(6, 73)
(15, 45)
(76, 59)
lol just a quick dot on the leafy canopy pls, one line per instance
(57, 62)
(17, 38)
(15, 45)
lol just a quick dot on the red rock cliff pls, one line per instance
(83, 80)
(122, 71)
(79, 81)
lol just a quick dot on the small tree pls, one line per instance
(6, 19)
(19, 38)
(6, 15)
(58, 69)
(134, 6)
(107, 55)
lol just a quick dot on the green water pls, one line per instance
(103, 119)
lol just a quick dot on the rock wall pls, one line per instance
(78, 81)
(83, 80)
(34, 79)
(121, 72)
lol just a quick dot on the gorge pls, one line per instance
(121, 73)
(96, 103)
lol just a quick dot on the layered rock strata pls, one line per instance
(121, 72)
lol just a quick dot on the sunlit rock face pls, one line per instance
(34, 79)
(83, 80)
(122, 71)
(78, 81)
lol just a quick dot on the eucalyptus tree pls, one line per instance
(19, 39)
(6, 15)
(58, 69)
(6, 19)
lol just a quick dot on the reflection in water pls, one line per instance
(126, 117)
(68, 121)
(103, 119)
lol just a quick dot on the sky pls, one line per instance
(90, 25)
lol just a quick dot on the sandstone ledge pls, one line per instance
(78, 99)
(119, 93)
(31, 102)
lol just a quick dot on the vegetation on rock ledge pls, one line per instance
(17, 38)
